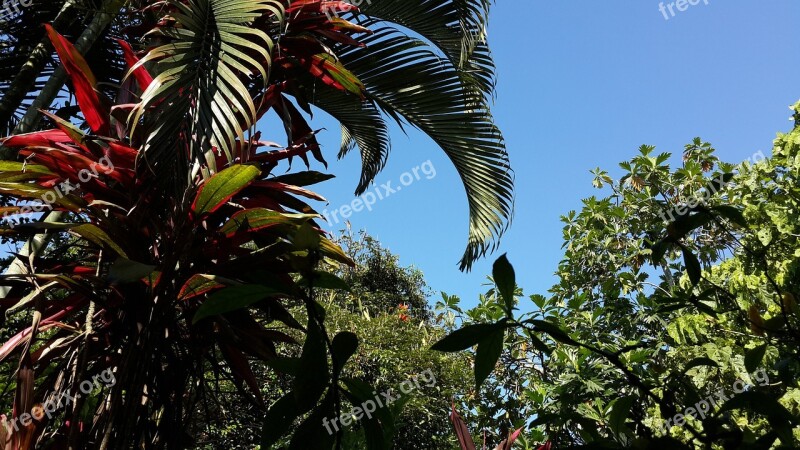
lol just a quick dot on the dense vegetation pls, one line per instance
(675, 322)
(173, 287)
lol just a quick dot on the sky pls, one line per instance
(583, 84)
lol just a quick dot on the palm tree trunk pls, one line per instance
(32, 117)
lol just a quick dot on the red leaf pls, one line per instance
(84, 81)
(464, 438)
(38, 138)
(506, 444)
(141, 74)
(198, 285)
(241, 369)
(121, 155)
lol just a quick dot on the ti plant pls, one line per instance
(465, 439)
(160, 290)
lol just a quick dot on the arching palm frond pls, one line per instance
(363, 126)
(456, 27)
(411, 83)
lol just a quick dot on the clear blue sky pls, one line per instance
(583, 84)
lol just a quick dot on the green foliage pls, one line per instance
(376, 346)
(676, 291)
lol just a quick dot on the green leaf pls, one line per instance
(324, 280)
(344, 345)
(731, 213)
(312, 378)
(218, 189)
(692, 265)
(466, 337)
(758, 402)
(553, 330)
(489, 350)
(312, 434)
(505, 279)
(95, 235)
(307, 178)
(124, 270)
(307, 238)
(620, 411)
(753, 357)
(255, 219)
(698, 362)
(278, 420)
(333, 251)
(380, 428)
(234, 298)
(288, 366)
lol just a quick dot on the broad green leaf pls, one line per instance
(260, 218)
(234, 298)
(313, 434)
(553, 330)
(312, 379)
(307, 238)
(218, 189)
(344, 345)
(692, 265)
(731, 213)
(278, 420)
(200, 284)
(124, 270)
(380, 427)
(505, 279)
(94, 234)
(489, 350)
(324, 280)
(307, 178)
(620, 411)
(467, 337)
(767, 405)
(754, 356)
(698, 362)
(333, 251)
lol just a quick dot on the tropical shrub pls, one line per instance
(134, 300)
(183, 251)
(674, 323)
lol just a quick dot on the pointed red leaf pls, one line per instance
(39, 138)
(141, 74)
(84, 82)
(462, 432)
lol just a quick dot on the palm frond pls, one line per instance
(200, 90)
(456, 27)
(362, 125)
(411, 83)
